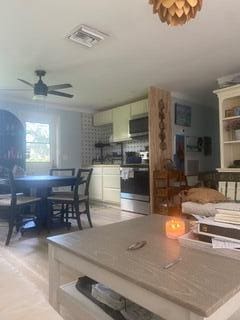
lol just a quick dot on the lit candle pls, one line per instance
(175, 228)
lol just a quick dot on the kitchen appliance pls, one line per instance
(135, 194)
(145, 156)
(133, 157)
(138, 127)
(100, 146)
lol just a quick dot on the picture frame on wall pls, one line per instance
(194, 144)
(183, 115)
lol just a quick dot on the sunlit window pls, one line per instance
(38, 142)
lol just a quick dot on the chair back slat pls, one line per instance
(238, 191)
(62, 172)
(87, 174)
(13, 189)
(83, 178)
(9, 185)
(167, 186)
(229, 185)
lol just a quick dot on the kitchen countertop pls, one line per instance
(135, 165)
(106, 165)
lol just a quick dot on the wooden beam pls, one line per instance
(160, 132)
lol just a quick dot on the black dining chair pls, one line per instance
(56, 211)
(74, 199)
(62, 172)
(13, 205)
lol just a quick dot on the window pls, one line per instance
(38, 142)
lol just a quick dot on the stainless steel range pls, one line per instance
(135, 195)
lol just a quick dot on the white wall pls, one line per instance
(73, 135)
(204, 123)
(65, 132)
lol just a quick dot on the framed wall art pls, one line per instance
(194, 144)
(183, 115)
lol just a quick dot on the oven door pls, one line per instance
(138, 186)
(135, 196)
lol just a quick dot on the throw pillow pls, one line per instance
(204, 195)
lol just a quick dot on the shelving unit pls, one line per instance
(229, 100)
(231, 118)
(79, 306)
(231, 142)
(12, 141)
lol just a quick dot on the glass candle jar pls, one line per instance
(175, 228)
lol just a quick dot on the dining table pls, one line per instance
(42, 186)
(43, 182)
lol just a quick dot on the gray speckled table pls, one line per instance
(202, 286)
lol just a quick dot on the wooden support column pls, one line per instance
(160, 131)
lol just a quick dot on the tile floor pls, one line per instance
(24, 266)
(24, 270)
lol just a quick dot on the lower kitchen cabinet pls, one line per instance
(105, 184)
(96, 191)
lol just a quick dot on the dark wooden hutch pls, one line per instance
(12, 141)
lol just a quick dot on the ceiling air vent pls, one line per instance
(86, 36)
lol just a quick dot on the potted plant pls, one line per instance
(234, 126)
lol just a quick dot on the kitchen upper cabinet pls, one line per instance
(102, 118)
(139, 108)
(121, 117)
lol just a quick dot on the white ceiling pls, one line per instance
(140, 52)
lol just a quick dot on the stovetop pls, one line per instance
(135, 165)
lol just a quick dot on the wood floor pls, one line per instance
(24, 270)
(30, 252)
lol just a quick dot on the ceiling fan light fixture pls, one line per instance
(176, 12)
(41, 90)
(39, 97)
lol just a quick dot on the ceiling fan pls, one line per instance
(42, 90)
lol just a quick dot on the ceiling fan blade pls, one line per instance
(60, 86)
(26, 82)
(61, 94)
(21, 90)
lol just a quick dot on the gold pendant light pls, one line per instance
(176, 12)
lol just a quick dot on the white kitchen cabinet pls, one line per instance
(105, 184)
(96, 185)
(121, 117)
(111, 170)
(103, 118)
(111, 195)
(139, 108)
(111, 185)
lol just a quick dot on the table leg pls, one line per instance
(54, 279)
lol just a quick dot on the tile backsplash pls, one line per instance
(91, 135)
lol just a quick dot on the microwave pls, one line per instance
(138, 127)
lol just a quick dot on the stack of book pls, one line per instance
(227, 216)
(225, 225)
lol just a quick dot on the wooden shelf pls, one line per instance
(79, 306)
(228, 170)
(229, 98)
(231, 118)
(232, 142)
